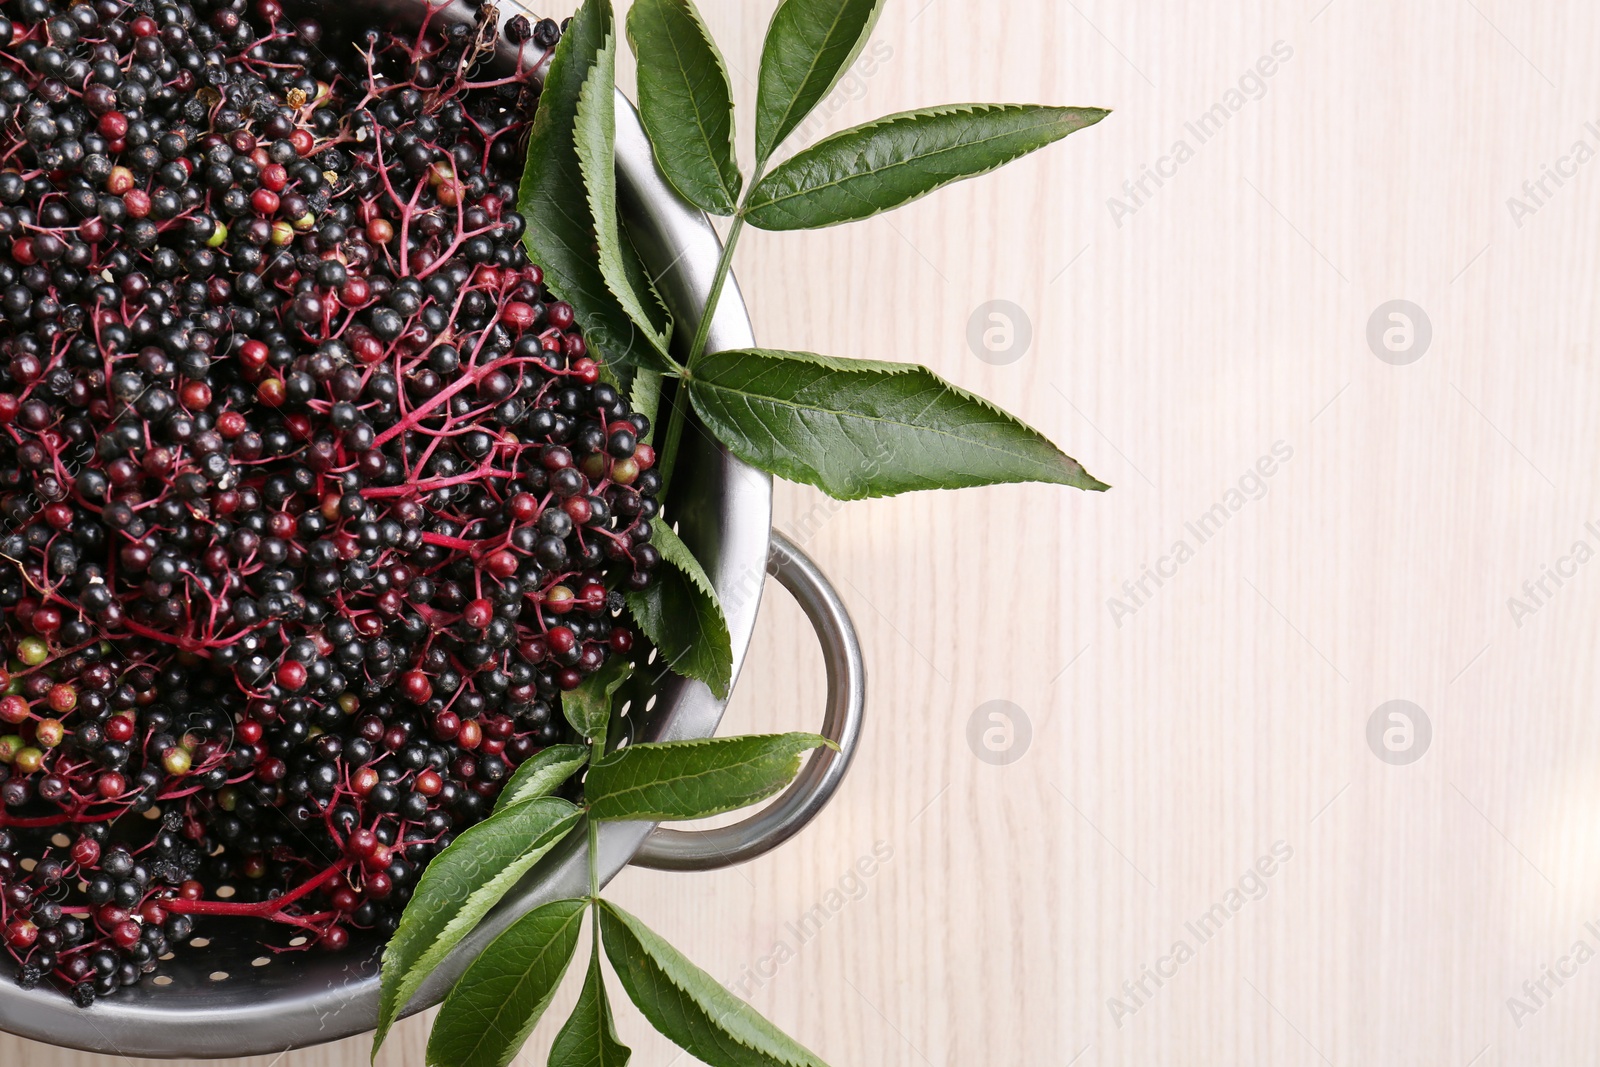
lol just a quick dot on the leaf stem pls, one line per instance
(680, 399)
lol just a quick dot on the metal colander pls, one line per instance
(226, 994)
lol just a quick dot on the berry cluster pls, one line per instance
(312, 499)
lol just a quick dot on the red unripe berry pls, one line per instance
(272, 770)
(501, 564)
(578, 509)
(9, 406)
(334, 938)
(86, 852)
(112, 125)
(356, 292)
(152, 911)
(196, 396)
(522, 506)
(230, 424)
(23, 252)
(109, 785)
(248, 731)
(378, 885)
(416, 687)
(110, 916)
(21, 933)
(274, 177)
(126, 934)
(561, 315)
(368, 349)
(119, 728)
(137, 201)
(621, 640)
(360, 843)
(587, 370)
(291, 674)
(191, 890)
(46, 620)
(364, 781)
(63, 697)
(517, 315)
(377, 859)
(428, 783)
(561, 640)
(253, 354)
(13, 709)
(569, 679)
(645, 457)
(446, 725)
(272, 392)
(345, 899)
(380, 231)
(58, 515)
(471, 734)
(303, 142)
(144, 26)
(479, 614)
(265, 201)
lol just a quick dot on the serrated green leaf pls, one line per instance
(681, 615)
(595, 141)
(686, 103)
(895, 160)
(860, 428)
(589, 1038)
(694, 779)
(810, 45)
(458, 887)
(645, 395)
(588, 707)
(688, 1005)
(542, 774)
(561, 234)
(495, 1005)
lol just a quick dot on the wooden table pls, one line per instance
(1188, 755)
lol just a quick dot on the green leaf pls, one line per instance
(458, 887)
(589, 1038)
(494, 1006)
(588, 707)
(686, 103)
(859, 428)
(810, 45)
(688, 1005)
(645, 395)
(694, 779)
(680, 614)
(595, 136)
(542, 774)
(561, 235)
(882, 165)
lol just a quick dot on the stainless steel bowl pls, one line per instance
(231, 997)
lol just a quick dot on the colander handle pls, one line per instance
(706, 850)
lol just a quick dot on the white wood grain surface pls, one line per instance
(1175, 343)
